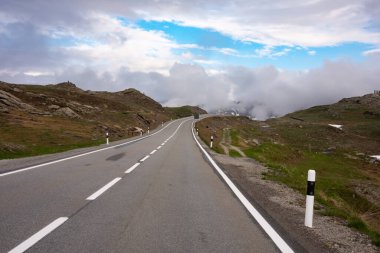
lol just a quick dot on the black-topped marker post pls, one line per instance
(212, 139)
(107, 138)
(310, 199)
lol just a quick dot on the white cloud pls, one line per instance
(120, 45)
(311, 52)
(261, 92)
(375, 51)
(264, 52)
(206, 62)
(187, 56)
(227, 51)
(37, 73)
(284, 23)
(318, 23)
(270, 51)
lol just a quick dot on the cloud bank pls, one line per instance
(259, 92)
(287, 22)
(88, 43)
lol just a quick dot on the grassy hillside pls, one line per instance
(184, 111)
(37, 119)
(348, 179)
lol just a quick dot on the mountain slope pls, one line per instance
(348, 178)
(37, 119)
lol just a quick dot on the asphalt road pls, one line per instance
(170, 200)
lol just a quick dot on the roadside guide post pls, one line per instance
(310, 198)
(107, 137)
(212, 139)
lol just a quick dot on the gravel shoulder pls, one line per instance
(285, 209)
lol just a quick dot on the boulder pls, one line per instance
(54, 107)
(67, 112)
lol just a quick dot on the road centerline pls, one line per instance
(39, 235)
(146, 157)
(103, 189)
(132, 168)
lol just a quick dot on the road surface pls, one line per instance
(158, 194)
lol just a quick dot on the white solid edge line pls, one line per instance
(146, 157)
(38, 236)
(159, 147)
(276, 238)
(154, 151)
(80, 155)
(132, 168)
(103, 189)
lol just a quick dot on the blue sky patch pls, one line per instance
(213, 47)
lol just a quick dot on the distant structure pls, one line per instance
(377, 92)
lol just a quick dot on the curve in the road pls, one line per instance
(80, 155)
(276, 238)
(28, 243)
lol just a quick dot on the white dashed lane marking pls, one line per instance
(103, 189)
(132, 168)
(146, 157)
(38, 236)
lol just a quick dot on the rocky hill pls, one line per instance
(37, 119)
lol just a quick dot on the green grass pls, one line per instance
(42, 150)
(290, 147)
(218, 149)
(47, 136)
(335, 174)
(180, 112)
(234, 137)
(234, 153)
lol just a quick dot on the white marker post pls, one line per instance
(148, 130)
(197, 131)
(310, 198)
(162, 124)
(212, 139)
(107, 135)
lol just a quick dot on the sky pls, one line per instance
(263, 58)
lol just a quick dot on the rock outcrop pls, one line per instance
(66, 111)
(8, 101)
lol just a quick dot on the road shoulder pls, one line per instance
(285, 208)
